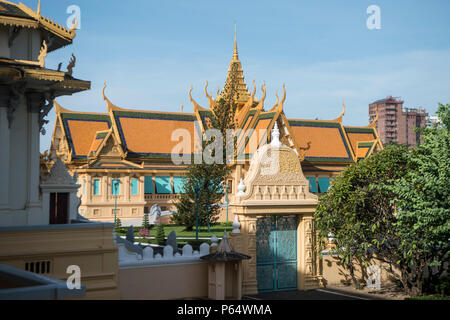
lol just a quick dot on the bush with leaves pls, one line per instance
(145, 221)
(160, 235)
(117, 225)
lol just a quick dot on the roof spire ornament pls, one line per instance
(38, 11)
(235, 51)
(275, 136)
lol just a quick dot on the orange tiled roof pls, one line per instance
(322, 141)
(81, 128)
(148, 134)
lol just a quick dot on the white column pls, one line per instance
(142, 188)
(33, 167)
(4, 157)
(127, 187)
(88, 197)
(104, 182)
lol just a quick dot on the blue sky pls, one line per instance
(150, 52)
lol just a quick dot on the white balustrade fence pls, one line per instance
(129, 259)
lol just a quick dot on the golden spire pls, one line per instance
(235, 52)
(235, 78)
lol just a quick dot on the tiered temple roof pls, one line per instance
(144, 138)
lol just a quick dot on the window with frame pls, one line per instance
(96, 187)
(134, 186)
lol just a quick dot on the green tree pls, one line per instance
(160, 235)
(357, 214)
(117, 225)
(209, 177)
(395, 207)
(423, 202)
(145, 221)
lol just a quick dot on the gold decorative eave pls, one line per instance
(339, 118)
(47, 23)
(61, 81)
(18, 22)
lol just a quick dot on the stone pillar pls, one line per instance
(88, 198)
(249, 281)
(142, 188)
(310, 280)
(216, 289)
(33, 204)
(127, 187)
(33, 168)
(105, 181)
(4, 153)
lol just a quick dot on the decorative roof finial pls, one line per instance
(42, 54)
(235, 52)
(275, 136)
(38, 11)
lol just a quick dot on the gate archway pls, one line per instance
(282, 250)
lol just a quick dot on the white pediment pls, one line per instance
(275, 173)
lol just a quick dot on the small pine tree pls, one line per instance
(117, 225)
(145, 221)
(160, 235)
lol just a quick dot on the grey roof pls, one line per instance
(225, 252)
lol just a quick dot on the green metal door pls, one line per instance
(276, 253)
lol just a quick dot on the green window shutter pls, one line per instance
(324, 184)
(148, 185)
(96, 186)
(115, 187)
(134, 187)
(178, 184)
(312, 185)
(163, 185)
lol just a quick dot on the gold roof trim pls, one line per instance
(260, 105)
(339, 118)
(196, 105)
(279, 105)
(47, 23)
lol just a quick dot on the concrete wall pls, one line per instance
(164, 282)
(334, 274)
(87, 245)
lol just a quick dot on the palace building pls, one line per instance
(41, 232)
(123, 156)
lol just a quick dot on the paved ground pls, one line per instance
(317, 294)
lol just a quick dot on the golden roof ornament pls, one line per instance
(71, 65)
(235, 79)
(42, 54)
